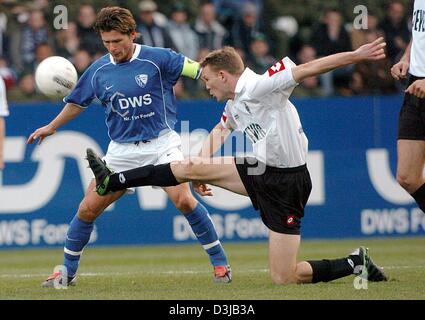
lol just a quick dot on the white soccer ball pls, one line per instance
(56, 77)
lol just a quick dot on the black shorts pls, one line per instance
(411, 123)
(279, 193)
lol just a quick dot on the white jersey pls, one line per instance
(262, 110)
(417, 52)
(4, 110)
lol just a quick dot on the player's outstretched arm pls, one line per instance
(69, 112)
(213, 142)
(371, 51)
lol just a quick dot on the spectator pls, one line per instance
(43, 51)
(260, 59)
(210, 32)
(373, 77)
(3, 37)
(89, 40)
(67, 41)
(330, 37)
(33, 33)
(244, 30)
(182, 35)
(152, 34)
(310, 86)
(396, 30)
(81, 60)
(185, 39)
(26, 90)
(230, 11)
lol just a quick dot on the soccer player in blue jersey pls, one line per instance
(134, 84)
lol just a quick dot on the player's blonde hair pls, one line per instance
(224, 59)
(115, 18)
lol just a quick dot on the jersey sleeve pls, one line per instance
(4, 110)
(172, 64)
(83, 93)
(227, 120)
(278, 76)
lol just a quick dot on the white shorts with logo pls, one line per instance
(126, 156)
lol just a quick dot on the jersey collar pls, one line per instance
(242, 80)
(136, 52)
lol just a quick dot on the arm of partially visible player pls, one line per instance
(2, 134)
(191, 69)
(69, 112)
(399, 70)
(371, 51)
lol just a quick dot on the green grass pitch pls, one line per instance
(183, 272)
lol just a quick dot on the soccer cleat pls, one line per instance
(56, 277)
(222, 274)
(101, 172)
(368, 269)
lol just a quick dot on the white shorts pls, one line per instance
(126, 156)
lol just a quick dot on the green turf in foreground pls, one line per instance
(183, 272)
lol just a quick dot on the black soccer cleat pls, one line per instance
(368, 269)
(101, 172)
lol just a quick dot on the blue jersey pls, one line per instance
(137, 95)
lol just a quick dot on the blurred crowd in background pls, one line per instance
(262, 31)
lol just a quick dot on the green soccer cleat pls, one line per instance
(101, 172)
(368, 269)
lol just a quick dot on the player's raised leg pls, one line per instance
(202, 226)
(220, 172)
(79, 231)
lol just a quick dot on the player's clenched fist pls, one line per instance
(399, 70)
(417, 88)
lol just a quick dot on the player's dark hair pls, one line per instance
(227, 59)
(115, 18)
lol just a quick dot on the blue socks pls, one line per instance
(79, 235)
(76, 239)
(203, 228)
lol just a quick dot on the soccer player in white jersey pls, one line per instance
(276, 179)
(134, 84)
(411, 125)
(4, 112)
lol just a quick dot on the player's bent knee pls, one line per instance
(88, 212)
(408, 183)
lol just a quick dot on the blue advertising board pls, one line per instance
(352, 161)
